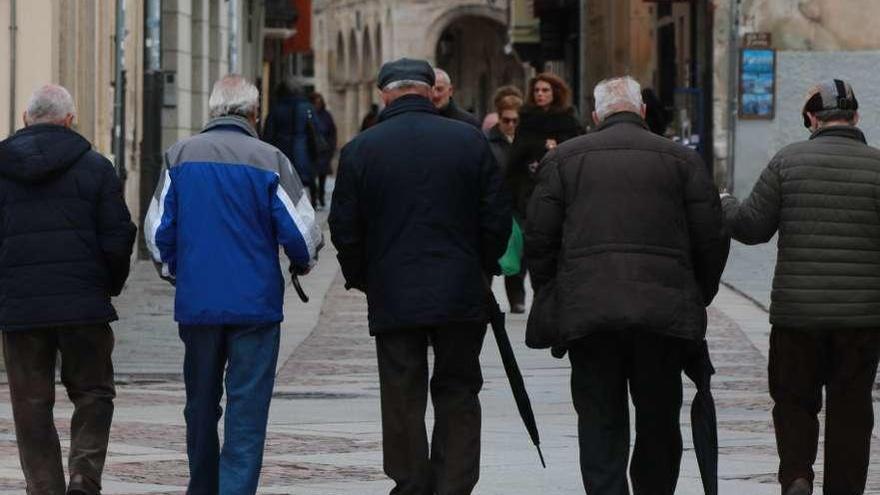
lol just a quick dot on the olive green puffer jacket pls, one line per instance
(822, 196)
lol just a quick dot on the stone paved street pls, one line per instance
(325, 435)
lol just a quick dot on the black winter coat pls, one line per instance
(455, 112)
(823, 197)
(419, 215)
(66, 235)
(500, 147)
(629, 225)
(536, 126)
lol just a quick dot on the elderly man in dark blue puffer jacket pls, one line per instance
(66, 239)
(420, 219)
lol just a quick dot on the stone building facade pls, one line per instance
(71, 42)
(815, 40)
(351, 39)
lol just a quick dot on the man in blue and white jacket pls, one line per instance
(225, 202)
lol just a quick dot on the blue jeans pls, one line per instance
(248, 354)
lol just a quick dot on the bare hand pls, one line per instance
(550, 144)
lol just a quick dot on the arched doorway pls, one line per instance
(471, 48)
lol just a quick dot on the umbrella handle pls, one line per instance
(299, 290)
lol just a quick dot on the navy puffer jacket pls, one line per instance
(66, 235)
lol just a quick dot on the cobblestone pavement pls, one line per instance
(324, 434)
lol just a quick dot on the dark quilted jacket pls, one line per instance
(629, 225)
(65, 233)
(821, 196)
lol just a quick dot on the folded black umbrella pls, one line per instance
(511, 368)
(704, 422)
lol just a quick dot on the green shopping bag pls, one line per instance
(511, 262)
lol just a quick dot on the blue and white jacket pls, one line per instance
(224, 203)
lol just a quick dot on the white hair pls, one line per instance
(50, 104)
(442, 74)
(619, 94)
(406, 84)
(233, 95)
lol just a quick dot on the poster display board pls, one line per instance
(757, 83)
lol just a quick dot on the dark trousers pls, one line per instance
(453, 465)
(322, 189)
(87, 374)
(845, 363)
(603, 365)
(515, 285)
(247, 355)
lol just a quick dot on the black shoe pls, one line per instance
(518, 308)
(799, 486)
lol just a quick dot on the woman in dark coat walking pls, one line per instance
(326, 127)
(287, 128)
(546, 120)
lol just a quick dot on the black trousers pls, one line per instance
(453, 465)
(603, 365)
(845, 363)
(87, 374)
(322, 189)
(515, 285)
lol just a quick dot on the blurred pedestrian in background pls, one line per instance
(656, 115)
(500, 141)
(545, 121)
(820, 196)
(442, 96)
(371, 118)
(420, 218)
(290, 127)
(225, 202)
(326, 127)
(625, 230)
(491, 118)
(67, 240)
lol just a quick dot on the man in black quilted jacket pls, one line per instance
(627, 226)
(821, 196)
(66, 239)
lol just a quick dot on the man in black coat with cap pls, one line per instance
(67, 239)
(420, 219)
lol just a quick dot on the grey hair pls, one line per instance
(233, 95)
(50, 104)
(405, 84)
(442, 74)
(619, 94)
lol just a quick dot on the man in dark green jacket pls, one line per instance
(821, 195)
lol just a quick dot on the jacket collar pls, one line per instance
(235, 122)
(405, 104)
(450, 109)
(622, 118)
(843, 131)
(495, 134)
